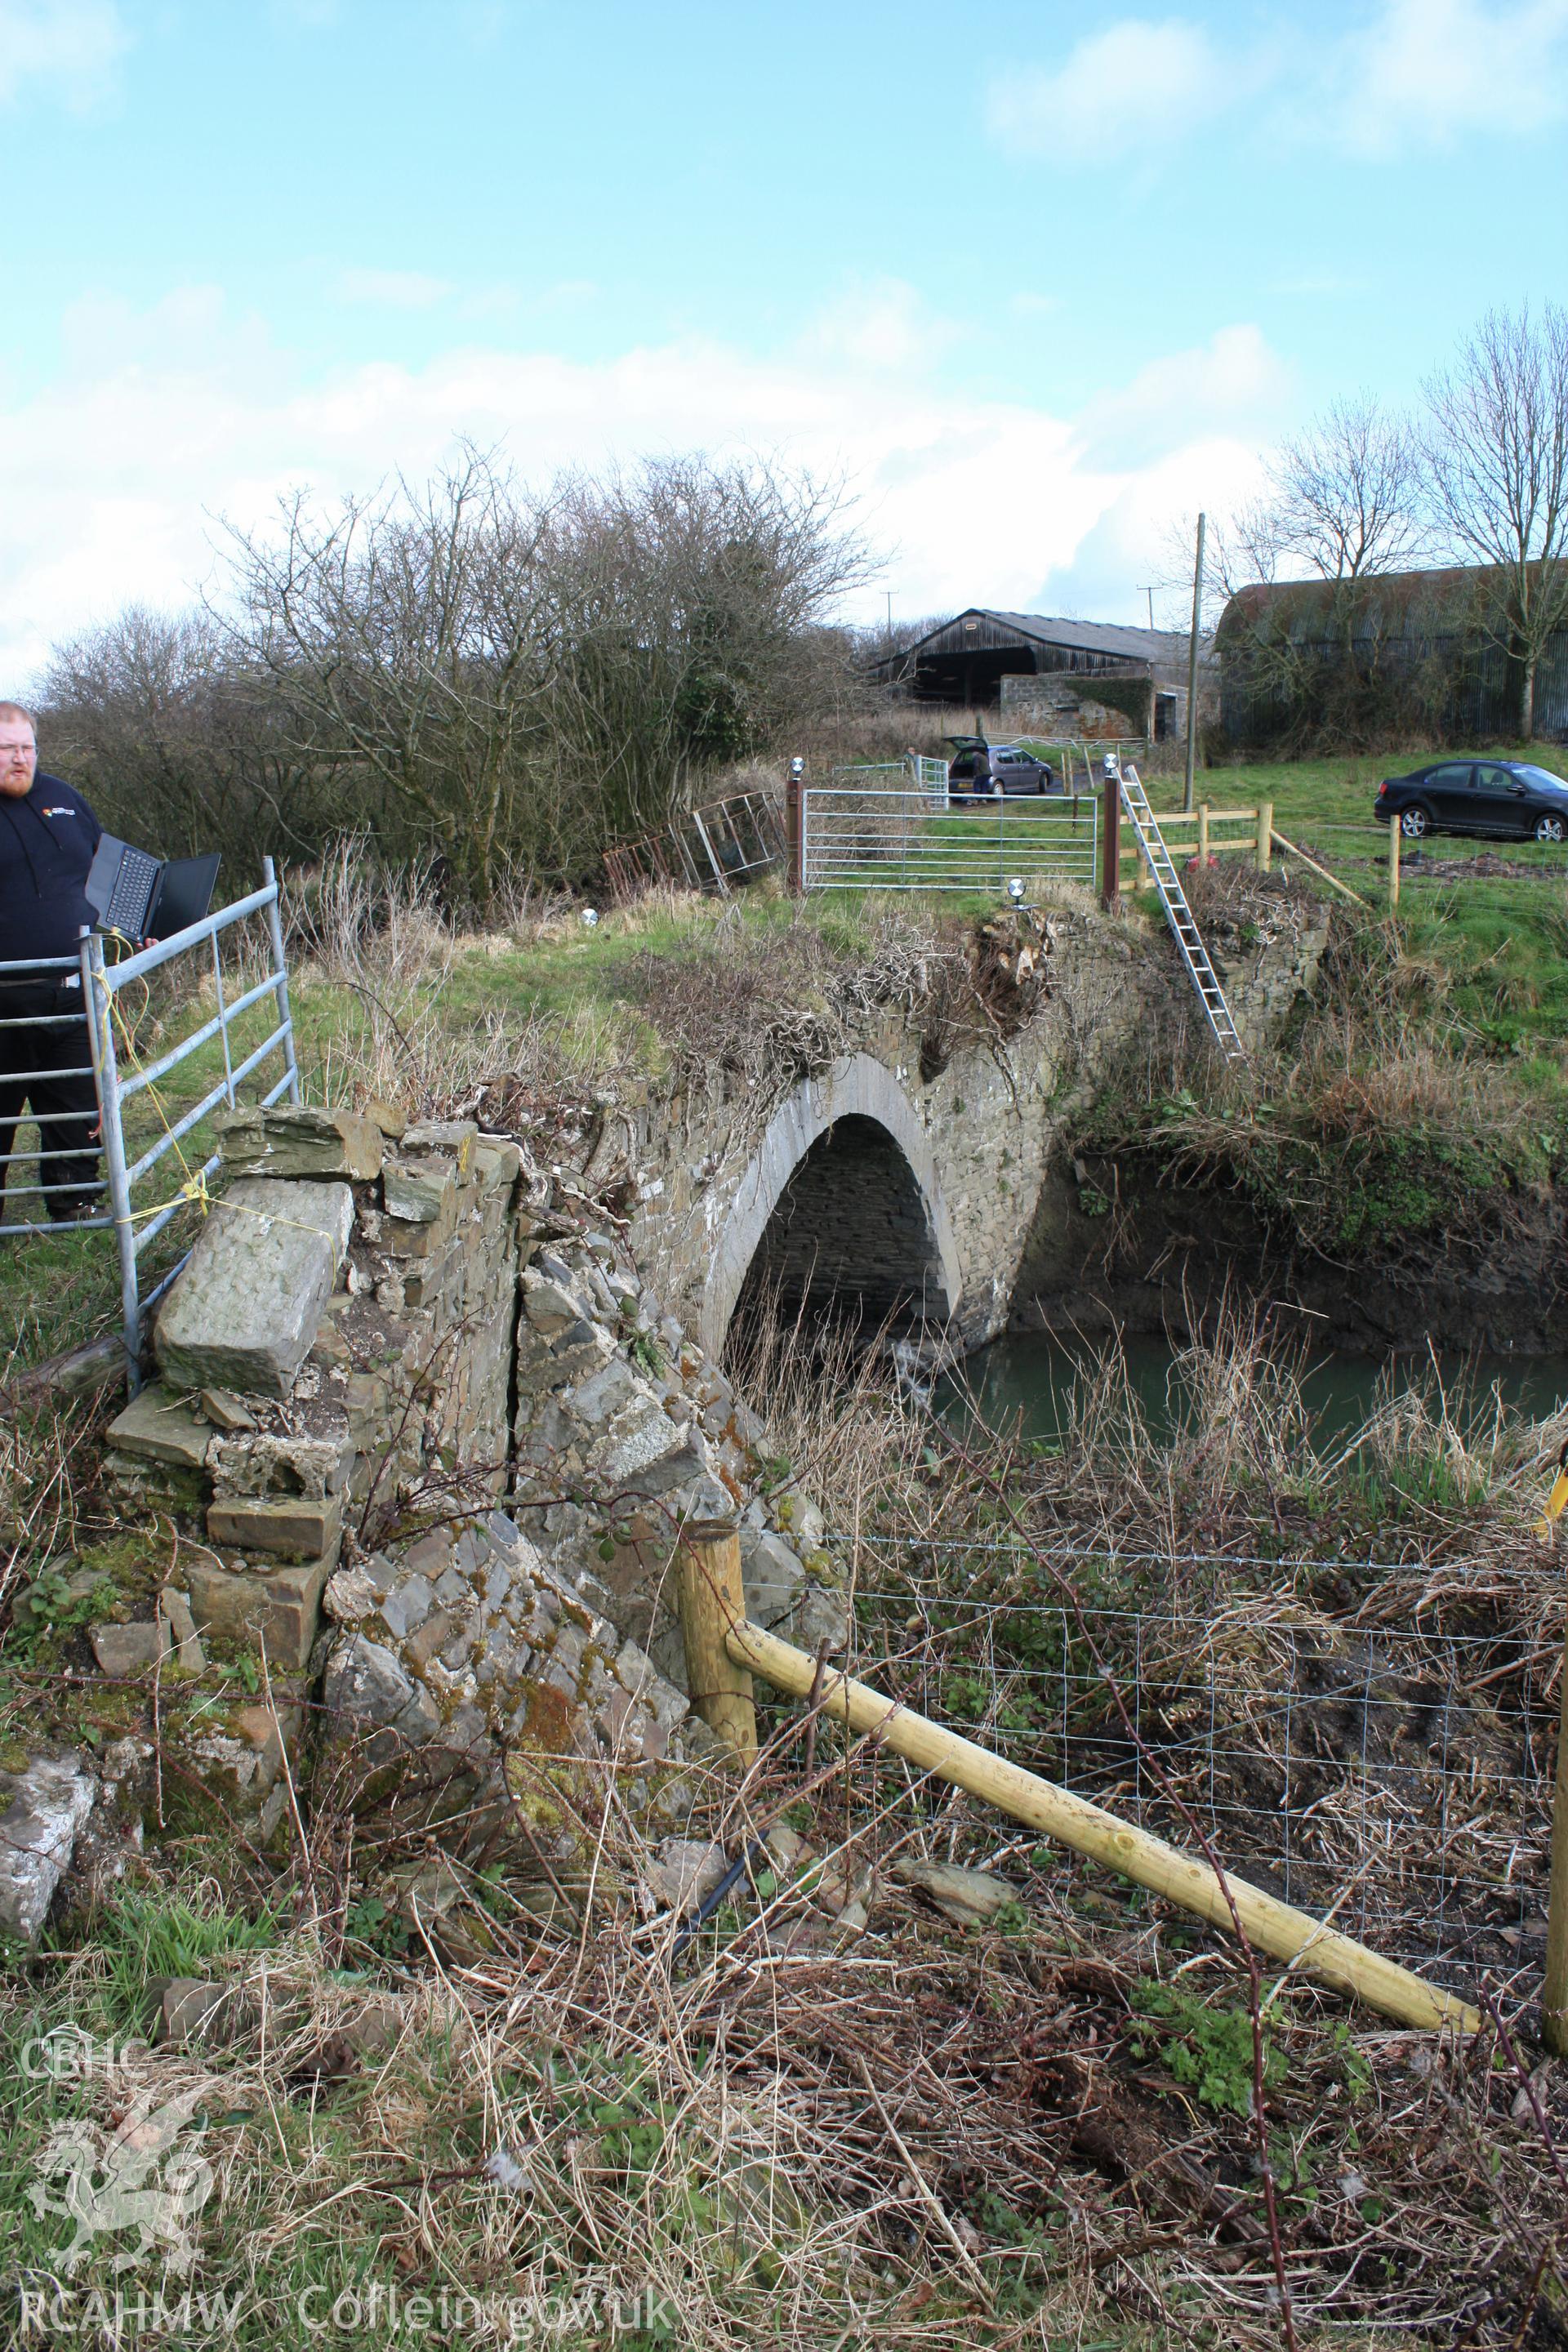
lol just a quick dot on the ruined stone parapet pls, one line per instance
(321, 1343)
(626, 1432)
(451, 1345)
(469, 1640)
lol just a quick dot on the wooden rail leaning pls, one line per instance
(1321, 871)
(1262, 834)
(1275, 1927)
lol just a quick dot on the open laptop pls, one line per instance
(147, 898)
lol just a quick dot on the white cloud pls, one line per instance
(392, 289)
(109, 477)
(1117, 91)
(881, 322)
(1421, 72)
(1432, 70)
(1141, 536)
(70, 47)
(1233, 384)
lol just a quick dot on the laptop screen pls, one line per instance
(184, 893)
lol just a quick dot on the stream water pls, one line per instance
(1033, 1375)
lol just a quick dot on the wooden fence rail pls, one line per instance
(1212, 833)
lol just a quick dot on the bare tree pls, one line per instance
(1240, 550)
(1496, 463)
(1339, 504)
(1344, 496)
(174, 744)
(403, 639)
(516, 679)
(689, 602)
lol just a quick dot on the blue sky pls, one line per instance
(1039, 282)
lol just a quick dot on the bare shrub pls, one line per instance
(506, 679)
(179, 745)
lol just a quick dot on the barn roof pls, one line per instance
(1048, 629)
(1379, 604)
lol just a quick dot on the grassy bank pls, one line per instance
(1419, 1101)
(498, 2077)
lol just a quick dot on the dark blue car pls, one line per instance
(1496, 799)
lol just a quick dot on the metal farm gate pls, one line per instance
(145, 1113)
(897, 828)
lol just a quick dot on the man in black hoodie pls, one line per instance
(48, 836)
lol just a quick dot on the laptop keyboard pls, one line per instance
(132, 894)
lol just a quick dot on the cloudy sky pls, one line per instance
(1036, 278)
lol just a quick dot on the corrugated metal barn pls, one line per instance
(1143, 673)
(1362, 658)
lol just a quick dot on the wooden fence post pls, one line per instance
(711, 1598)
(1110, 844)
(1203, 834)
(1265, 833)
(1554, 1981)
(794, 826)
(1393, 865)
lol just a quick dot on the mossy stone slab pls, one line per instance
(244, 1310)
(162, 1427)
(291, 1139)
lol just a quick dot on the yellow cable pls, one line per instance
(194, 1187)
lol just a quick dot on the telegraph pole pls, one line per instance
(1188, 789)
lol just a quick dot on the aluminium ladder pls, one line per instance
(1179, 916)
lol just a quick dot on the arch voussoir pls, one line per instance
(860, 1089)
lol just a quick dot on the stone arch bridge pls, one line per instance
(905, 1183)
(905, 1195)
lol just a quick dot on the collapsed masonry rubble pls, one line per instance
(425, 1443)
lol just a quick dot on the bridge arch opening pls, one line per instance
(840, 1200)
(851, 1237)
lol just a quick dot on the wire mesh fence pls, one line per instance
(1395, 1780)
